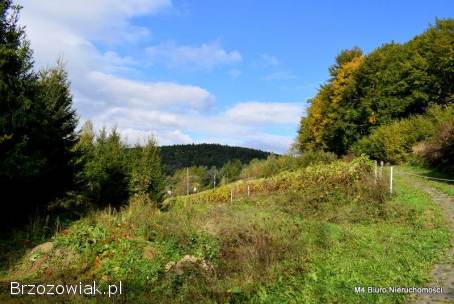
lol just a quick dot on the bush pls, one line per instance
(318, 177)
(394, 142)
(438, 151)
(277, 164)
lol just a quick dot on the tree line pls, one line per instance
(368, 91)
(45, 163)
(209, 155)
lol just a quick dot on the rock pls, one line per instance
(178, 267)
(169, 266)
(44, 247)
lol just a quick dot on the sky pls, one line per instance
(235, 72)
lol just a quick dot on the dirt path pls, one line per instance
(442, 273)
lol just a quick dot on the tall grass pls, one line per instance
(320, 178)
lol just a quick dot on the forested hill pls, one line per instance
(180, 156)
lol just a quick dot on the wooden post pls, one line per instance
(375, 170)
(391, 180)
(381, 169)
(187, 181)
(248, 191)
(231, 195)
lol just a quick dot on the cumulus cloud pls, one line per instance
(105, 81)
(101, 20)
(205, 56)
(265, 112)
(269, 142)
(235, 126)
(149, 95)
(163, 137)
(138, 118)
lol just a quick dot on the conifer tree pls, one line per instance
(37, 125)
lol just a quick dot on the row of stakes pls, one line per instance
(248, 193)
(379, 174)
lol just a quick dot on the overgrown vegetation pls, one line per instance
(274, 164)
(324, 178)
(310, 244)
(199, 178)
(438, 151)
(195, 179)
(395, 142)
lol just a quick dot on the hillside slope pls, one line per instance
(322, 232)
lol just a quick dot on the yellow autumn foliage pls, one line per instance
(333, 175)
(324, 106)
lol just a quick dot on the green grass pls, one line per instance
(445, 187)
(294, 247)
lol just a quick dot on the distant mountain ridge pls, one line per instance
(181, 156)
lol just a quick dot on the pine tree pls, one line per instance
(37, 124)
(59, 136)
(146, 174)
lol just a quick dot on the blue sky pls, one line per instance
(233, 72)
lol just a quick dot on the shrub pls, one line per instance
(394, 142)
(276, 164)
(325, 177)
(438, 151)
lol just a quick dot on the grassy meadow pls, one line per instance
(309, 236)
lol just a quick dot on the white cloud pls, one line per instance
(171, 137)
(265, 113)
(139, 118)
(101, 20)
(205, 56)
(269, 60)
(149, 95)
(104, 82)
(236, 126)
(269, 142)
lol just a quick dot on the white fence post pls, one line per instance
(381, 169)
(391, 180)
